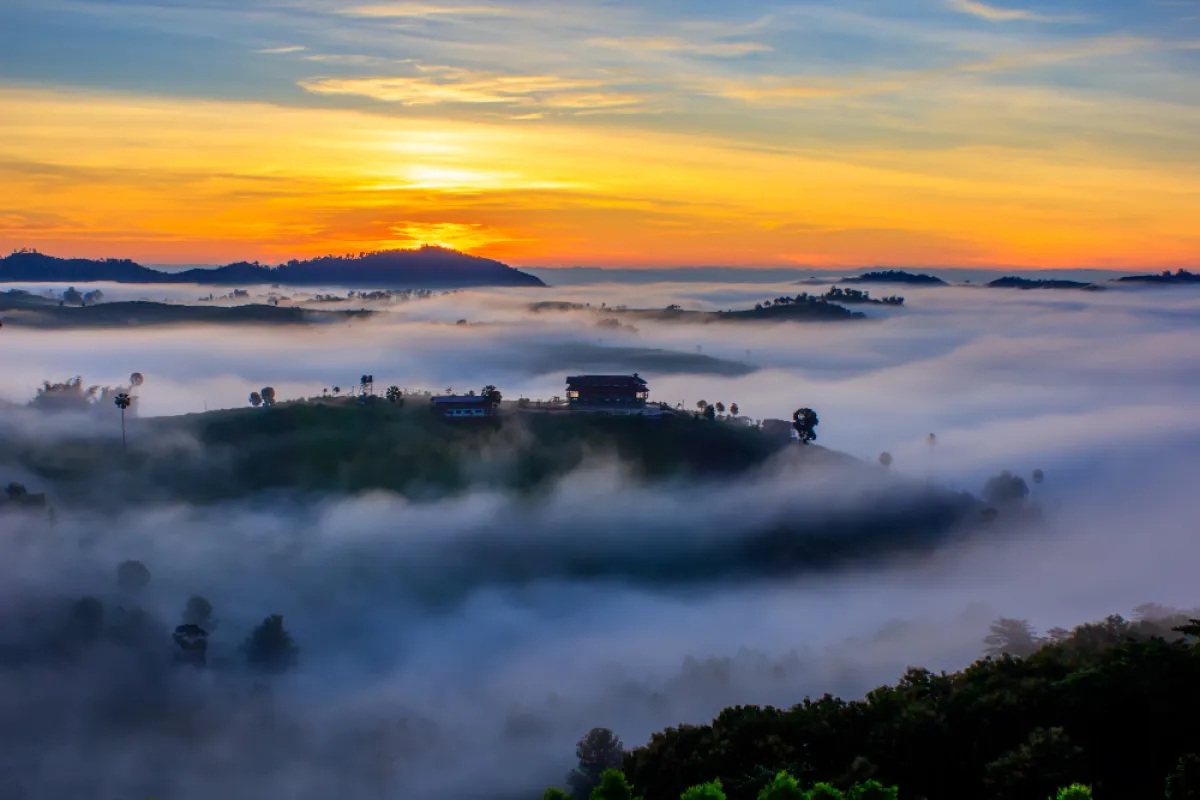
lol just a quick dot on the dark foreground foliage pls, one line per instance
(1111, 706)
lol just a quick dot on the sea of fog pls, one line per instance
(1098, 389)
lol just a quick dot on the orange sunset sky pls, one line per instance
(914, 132)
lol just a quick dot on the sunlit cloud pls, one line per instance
(294, 48)
(428, 10)
(450, 85)
(998, 14)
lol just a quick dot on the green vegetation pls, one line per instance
(1096, 707)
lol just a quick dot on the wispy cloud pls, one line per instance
(275, 51)
(428, 10)
(447, 85)
(998, 14)
(672, 44)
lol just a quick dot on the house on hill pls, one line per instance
(457, 406)
(610, 394)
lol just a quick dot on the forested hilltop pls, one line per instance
(1108, 708)
(424, 267)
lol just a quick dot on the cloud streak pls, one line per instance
(993, 13)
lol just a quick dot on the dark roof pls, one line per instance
(461, 400)
(631, 381)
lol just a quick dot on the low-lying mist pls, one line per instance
(458, 644)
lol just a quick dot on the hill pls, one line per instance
(1015, 282)
(806, 308)
(897, 276)
(34, 311)
(425, 267)
(1166, 278)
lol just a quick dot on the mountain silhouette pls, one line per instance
(428, 266)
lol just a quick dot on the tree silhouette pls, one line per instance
(192, 643)
(255, 399)
(554, 793)
(198, 611)
(733, 409)
(720, 408)
(1005, 490)
(132, 576)
(337, 390)
(702, 404)
(492, 394)
(268, 396)
(805, 422)
(1038, 477)
(885, 459)
(393, 394)
(270, 648)
(710, 413)
(1012, 636)
(136, 379)
(599, 750)
(16, 492)
(123, 401)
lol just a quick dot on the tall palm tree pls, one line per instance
(393, 394)
(123, 402)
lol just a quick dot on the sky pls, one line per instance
(827, 133)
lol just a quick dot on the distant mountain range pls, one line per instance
(427, 267)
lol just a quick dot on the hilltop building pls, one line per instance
(612, 394)
(456, 406)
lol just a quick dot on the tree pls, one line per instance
(705, 791)
(612, 786)
(491, 394)
(268, 396)
(1184, 781)
(199, 611)
(132, 576)
(1012, 636)
(16, 492)
(825, 791)
(710, 413)
(554, 793)
(1038, 477)
(782, 787)
(192, 643)
(1005, 490)
(599, 750)
(701, 405)
(733, 409)
(1046, 760)
(805, 422)
(1076, 791)
(720, 408)
(393, 394)
(255, 399)
(873, 790)
(123, 401)
(72, 296)
(885, 459)
(270, 648)
(136, 379)
(337, 390)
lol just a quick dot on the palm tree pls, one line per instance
(255, 399)
(337, 390)
(393, 394)
(733, 409)
(123, 402)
